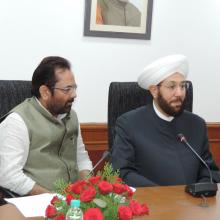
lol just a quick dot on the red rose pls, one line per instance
(77, 187)
(88, 194)
(138, 209)
(124, 212)
(54, 199)
(93, 214)
(60, 217)
(129, 191)
(69, 197)
(119, 188)
(145, 209)
(117, 179)
(94, 179)
(105, 187)
(50, 211)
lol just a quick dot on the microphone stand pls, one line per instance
(105, 155)
(207, 189)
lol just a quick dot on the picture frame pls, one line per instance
(142, 15)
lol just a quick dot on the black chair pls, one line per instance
(12, 93)
(125, 96)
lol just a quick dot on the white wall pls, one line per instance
(31, 30)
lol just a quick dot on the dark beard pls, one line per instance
(169, 110)
(56, 109)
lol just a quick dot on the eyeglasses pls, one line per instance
(172, 86)
(67, 89)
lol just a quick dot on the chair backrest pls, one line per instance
(125, 96)
(12, 93)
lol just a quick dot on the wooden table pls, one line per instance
(172, 203)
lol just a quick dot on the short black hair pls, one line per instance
(44, 74)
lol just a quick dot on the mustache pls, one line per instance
(70, 100)
(178, 100)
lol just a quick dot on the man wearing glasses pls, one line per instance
(146, 148)
(40, 139)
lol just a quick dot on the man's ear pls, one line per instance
(44, 92)
(153, 90)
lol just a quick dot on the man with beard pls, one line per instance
(117, 12)
(146, 149)
(40, 139)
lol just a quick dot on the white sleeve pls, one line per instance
(14, 148)
(83, 160)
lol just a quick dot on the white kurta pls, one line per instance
(14, 148)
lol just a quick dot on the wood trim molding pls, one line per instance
(214, 130)
(96, 134)
(214, 140)
(95, 137)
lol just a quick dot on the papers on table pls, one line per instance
(31, 206)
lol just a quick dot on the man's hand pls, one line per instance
(83, 174)
(37, 189)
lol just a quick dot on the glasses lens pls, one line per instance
(172, 86)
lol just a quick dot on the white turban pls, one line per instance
(162, 68)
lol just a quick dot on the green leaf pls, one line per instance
(100, 203)
(108, 173)
(60, 186)
(119, 199)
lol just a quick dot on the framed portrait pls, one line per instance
(118, 18)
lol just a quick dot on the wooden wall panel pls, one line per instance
(214, 140)
(95, 136)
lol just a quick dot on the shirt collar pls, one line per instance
(161, 115)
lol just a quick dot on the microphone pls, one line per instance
(105, 155)
(199, 189)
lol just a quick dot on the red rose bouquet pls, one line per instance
(103, 196)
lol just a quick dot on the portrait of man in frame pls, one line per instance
(118, 18)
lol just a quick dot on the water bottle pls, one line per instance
(74, 212)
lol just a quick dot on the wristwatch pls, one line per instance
(2, 201)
